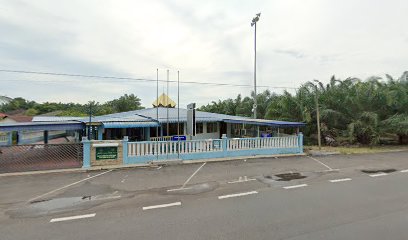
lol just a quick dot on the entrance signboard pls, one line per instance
(179, 138)
(106, 153)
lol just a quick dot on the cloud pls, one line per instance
(208, 41)
(292, 53)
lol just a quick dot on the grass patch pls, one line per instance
(358, 149)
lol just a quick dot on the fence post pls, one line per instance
(86, 163)
(224, 145)
(300, 142)
(10, 138)
(100, 132)
(125, 149)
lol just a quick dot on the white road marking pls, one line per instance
(110, 197)
(162, 205)
(185, 183)
(243, 179)
(159, 167)
(330, 169)
(404, 171)
(73, 217)
(69, 185)
(295, 186)
(340, 180)
(178, 189)
(379, 174)
(124, 179)
(237, 195)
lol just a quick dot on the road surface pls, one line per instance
(332, 197)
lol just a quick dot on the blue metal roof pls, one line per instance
(160, 114)
(55, 119)
(129, 124)
(131, 116)
(264, 122)
(41, 126)
(150, 114)
(150, 117)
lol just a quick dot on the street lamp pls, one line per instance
(319, 140)
(253, 23)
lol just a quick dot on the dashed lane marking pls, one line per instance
(378, 175)
(340, 180)
(237, 195)
(295, 186)
(72, 218)
(162, 205)
(404, 171)
(178, 189)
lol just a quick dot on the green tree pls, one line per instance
(351, 110)
(125, 103)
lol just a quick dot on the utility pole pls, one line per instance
(253, 24)
(167, 103)
(319, 142)
(157, 103)
(178, 114)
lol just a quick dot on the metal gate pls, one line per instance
(21, 158)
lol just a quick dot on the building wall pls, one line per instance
(229, 130)
(95, 162)
(206, 135)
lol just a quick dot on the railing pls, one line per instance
(164, 138)
(21, 158)
(3, 138)
(260, 143)
(173, 147)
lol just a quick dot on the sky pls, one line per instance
(206, 41)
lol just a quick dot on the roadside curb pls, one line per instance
(76, 170)
(322, 153)
(151, 164)
(243, 158)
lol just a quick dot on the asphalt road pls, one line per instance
(336, 197)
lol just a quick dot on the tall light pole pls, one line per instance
(319, 140)
(253, 24)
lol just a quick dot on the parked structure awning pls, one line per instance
(41, 126)
(264, 122)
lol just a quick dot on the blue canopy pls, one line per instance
(41, 126)
(264, 122)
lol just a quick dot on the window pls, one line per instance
(199, 128)
(212, 127)
(173, 129)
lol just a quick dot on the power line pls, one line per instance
(128, 79)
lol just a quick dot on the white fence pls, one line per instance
(172, 147)
(159, 148)
(260, 143)
(3, 138)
